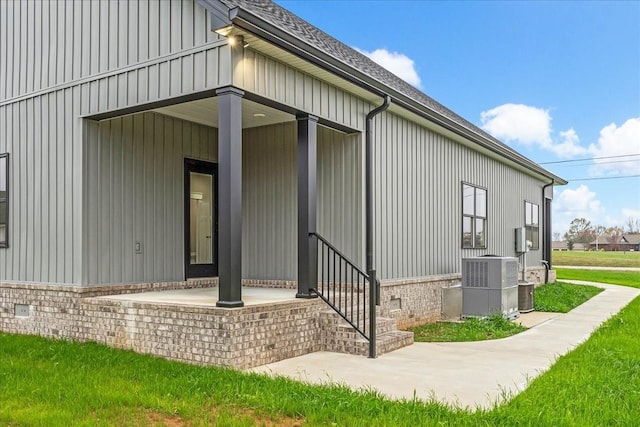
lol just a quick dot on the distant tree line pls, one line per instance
(581, 231)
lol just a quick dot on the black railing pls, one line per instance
(346, 289)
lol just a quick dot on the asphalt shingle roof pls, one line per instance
(307, 33)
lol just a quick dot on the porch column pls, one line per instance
(307, 247)
(229, 197)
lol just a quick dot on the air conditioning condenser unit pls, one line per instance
(490, 285)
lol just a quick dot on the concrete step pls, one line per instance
(339, 336)
(383, 324)
(385, 343)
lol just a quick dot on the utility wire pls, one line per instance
(604, 163)
(604, 177)
(589, 159)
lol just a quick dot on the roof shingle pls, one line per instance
(307, 33)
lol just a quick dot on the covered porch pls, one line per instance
(267, 174)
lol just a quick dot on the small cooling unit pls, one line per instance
(525, 297)
(490, 285)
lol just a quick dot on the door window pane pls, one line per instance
(201, 218)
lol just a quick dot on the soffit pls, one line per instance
(205, 111)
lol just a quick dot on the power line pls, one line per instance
(615, 161)
(604, 177)
(589, 159)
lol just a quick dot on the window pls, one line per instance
(532, 224)
(4, 200)
(474, 216)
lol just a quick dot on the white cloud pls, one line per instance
(398, 63)
(570, 145)
(578, 203)
(519, 123)
(617, 141)
(530, 126)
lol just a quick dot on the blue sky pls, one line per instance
(556, 80)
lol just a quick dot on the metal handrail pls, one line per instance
(342, 285)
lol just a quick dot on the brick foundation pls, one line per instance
(414, 301)
(239, 337)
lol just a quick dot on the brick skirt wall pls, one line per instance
(240, 337)
(414, 301)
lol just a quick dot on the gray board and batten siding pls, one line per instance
(81, 193)
(138, 196)
(60, 61)
(44, 44)
(419, 176)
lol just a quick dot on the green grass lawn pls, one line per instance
(593, 258)
(562, 297)
(56, 383)
(491, 328)
(555, 297)
(625, 278)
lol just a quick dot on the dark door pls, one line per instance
(201, 218)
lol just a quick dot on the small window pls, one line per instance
(4, 200)
(474, 216)
(532, 224)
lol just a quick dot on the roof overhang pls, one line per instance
(229, 20)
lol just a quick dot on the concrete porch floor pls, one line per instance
(207, 296)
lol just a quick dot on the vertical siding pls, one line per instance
(269, 202)
(135, 193)
(47, 43)
(340, 186)
(418, 200)
(270, 198)
(167, 78)
(45, 180)
(275, 80)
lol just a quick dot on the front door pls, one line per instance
(201, 218)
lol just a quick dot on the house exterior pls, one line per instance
(624, 243)
(173, 144)
(562, 245)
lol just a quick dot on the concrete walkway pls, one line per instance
(469, 374)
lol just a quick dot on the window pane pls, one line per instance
(3, 223)
(534, 215)
(3, 176)
(527, 213)
(481, 202)
(200, 223)
(533, 235)
(4, 188)
(479, 233)
(467, 200)
(467, 232)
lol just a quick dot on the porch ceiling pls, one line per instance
(205, 111)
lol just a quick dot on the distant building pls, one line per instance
(624, 243)
(562, 245)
